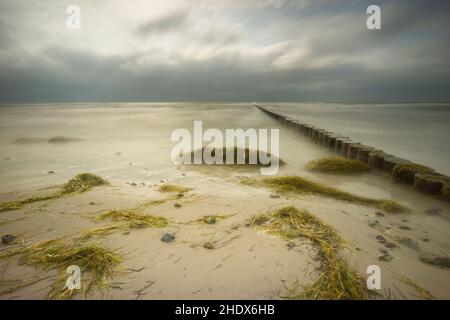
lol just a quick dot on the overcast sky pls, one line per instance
(228, 50)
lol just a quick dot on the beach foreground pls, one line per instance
(218, 252)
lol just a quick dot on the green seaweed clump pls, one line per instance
(171, 188)
(404, 172)
(80, 183)
(134, 219)
(337, 165)
(301, 185)
(83, 182)
(237, 151)
(18, 204)
(58, 254)
(336, 279)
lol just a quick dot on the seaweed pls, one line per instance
(405, 172)
(336, 279)
(134, 219)
(58, 254)
(422, 291)
(236, 150)
(337, 165)
(170, 188)
(302, 185)
(83, 182)
(80, 183)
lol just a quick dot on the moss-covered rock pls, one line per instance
(83, 182)
(337, 165)
(404, 172)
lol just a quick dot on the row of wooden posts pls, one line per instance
(374, 158)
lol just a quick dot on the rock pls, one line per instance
(177, 205)
(383, 250)
(7, 158)
(50, 172)
(133, 184)
(8, 239)
(167, 237)
(274, 196)
(425, 240)
(381, 239)
(404, 227)
(385, 258)
(440, 261)
(390, 245)
(408, 242)
(379, 214)
(433, 211)
(118, 154)
(373, 223)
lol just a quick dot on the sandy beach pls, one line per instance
(130, 148)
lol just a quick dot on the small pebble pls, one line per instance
(404, 227)
(373, 223)
(8, 239)
(167, 237)
(274, 196)
(379, 214)
(50, 172)
(381, 239)
(385, 257)
(390, 245)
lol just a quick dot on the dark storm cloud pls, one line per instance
(320, 56)
(170, 21)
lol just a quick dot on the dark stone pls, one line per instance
(404, 227)
(274, 196)
(440, 261)
(50, 172)
(385, 258)
(379, 214)
(167, 237)
(8, 239)
(373, 223)
(381, 239)
(410, 243)
(390, 245)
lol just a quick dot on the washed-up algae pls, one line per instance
(245, 152)
(301, 185)
(337, 165)
(97, 264)
(336, 279)
(134, 219)
(80, 183)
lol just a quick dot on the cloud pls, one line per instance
(172, 21)
(210, 50)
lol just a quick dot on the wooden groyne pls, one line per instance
(421, 178)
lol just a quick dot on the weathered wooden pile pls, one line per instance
(421, 178)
